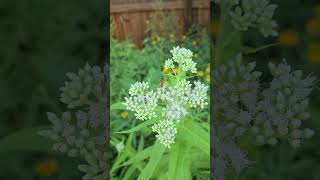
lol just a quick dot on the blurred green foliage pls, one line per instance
(40, 42)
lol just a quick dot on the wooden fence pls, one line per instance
(129, 20)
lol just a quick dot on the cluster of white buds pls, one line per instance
(166, 130)
(141, 101)
(177, 99)
(183, 57)
(256, 14)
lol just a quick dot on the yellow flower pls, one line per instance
(194, 43)
(208, 78)
(166, 71)
(214, 28)
(288, 38)
(124, 114)
(200, 73)
(195, 55)
(314, 52)
(313, 26)
(171, 36)
(208, 68)
(183, 37)
(46, 168)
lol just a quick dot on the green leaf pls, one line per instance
(195, 135)
(140, 126)
(140, 156)
(178, 168)
(157, 152)
(25, 140)
(129, 173)
(118, 106)
(251, 50)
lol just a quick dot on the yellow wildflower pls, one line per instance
(166, 71)
(288, 38)
(183, 37)
(208, 68)
(124, 114)
(46, 168)
(208, 78)
(314, 52)
(313, 26)
(194, 43)
(200, 73)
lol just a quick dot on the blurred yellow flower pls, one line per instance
(200, 73)
(214, 28)
(313, 26)
(314, 52)
(124, 114)
(208, 78)
(194, 43)
(183, 37)
(195, 55)
(46, 168)
(166, 71)
(208, 68)
(288, 38)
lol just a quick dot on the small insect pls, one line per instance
(145, 100)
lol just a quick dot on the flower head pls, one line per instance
(166, 131)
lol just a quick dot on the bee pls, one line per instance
(145, 100)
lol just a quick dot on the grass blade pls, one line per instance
(157, 152)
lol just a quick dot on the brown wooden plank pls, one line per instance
(136, 7)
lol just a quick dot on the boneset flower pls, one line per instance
(166, 132)
(173, 100)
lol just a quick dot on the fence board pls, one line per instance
(130, 19)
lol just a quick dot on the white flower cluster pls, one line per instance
(174, 111)
(257, 14)
(177, 98)
(139, 88)
(142, 102)
(198, 96)
(166, 130)
(183, 57)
